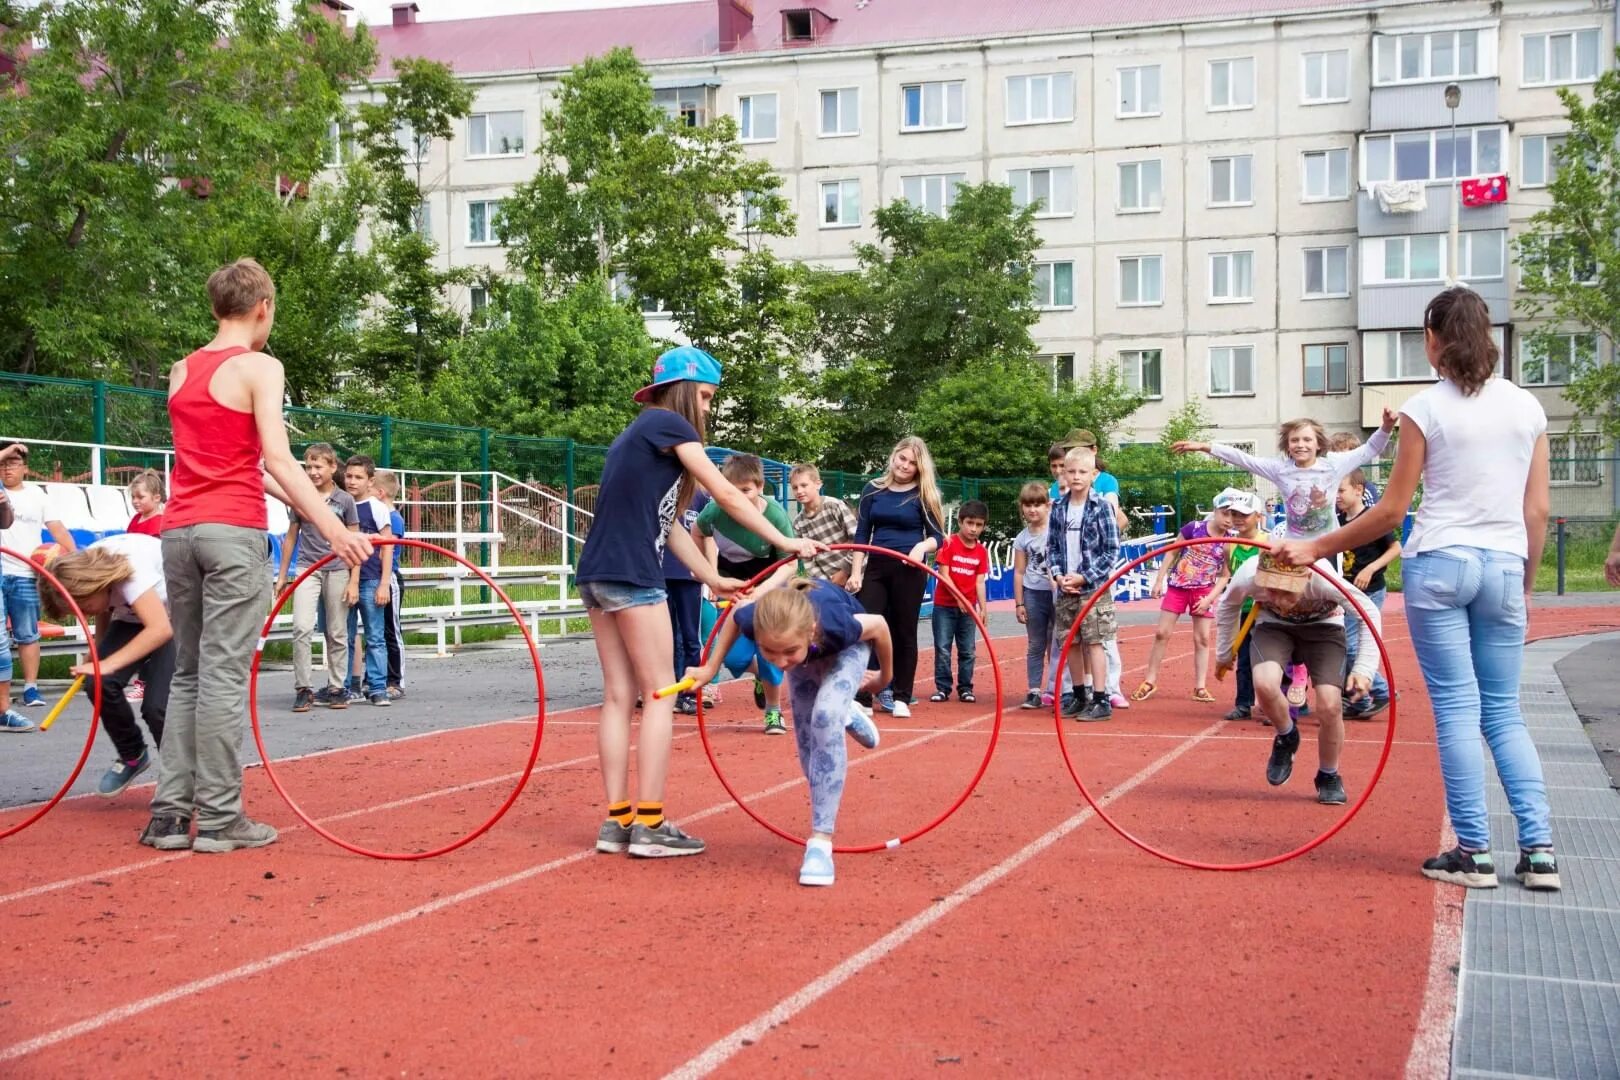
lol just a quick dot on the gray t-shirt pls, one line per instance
(312, 546)
(1037, 574)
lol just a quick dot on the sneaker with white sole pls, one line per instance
(774, 725)
(167, 832)
(860, 727)
(817, 867)
(901, 710)
(1538, 870)
(1470, 869)
(663, 842)
(122, 774)
(244, 832)
(15, 722)
(612, 837)
(381, 699)
(1032, 700)
(32, 698)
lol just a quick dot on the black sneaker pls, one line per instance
(381, 699)
(686, 703)
(304, 700)
(1281, 765)
(167, 833)
(1470, 869)
(759, 693)
(1538, 870)
(1238, 714)
(1099, 709)
(1074, 703)
(1032, 700)
(662, 842)
(1330, 789)
(323, 696)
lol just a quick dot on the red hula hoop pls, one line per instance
(1257, 864)
(995, 730)
(539, 716)
(95, 699)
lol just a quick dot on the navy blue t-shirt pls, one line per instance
(895, 520)
(674, 569)
(835, 618)
(636, 501)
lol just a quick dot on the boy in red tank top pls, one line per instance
(225, 409)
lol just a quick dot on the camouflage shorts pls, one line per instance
(1099, 625)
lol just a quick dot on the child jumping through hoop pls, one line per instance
(817, 633)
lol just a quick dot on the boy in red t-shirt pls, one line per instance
(966, 563)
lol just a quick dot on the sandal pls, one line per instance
(968, 698)
(939, 696)
(1203, 695)
(1143, 692)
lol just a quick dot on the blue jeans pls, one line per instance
(1465, 607)
(954, 626)
(22, 605)
(375, 615)
(1038, 631)
(1245, 677)
(1352, 639)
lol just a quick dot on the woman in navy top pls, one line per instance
(652, 469)
(900, 511)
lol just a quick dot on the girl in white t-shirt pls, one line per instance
(119, 583)
(1479, 445)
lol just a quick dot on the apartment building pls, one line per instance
(1213, 177)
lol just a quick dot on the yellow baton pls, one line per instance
(56, 710)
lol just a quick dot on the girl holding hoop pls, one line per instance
(901, 511)
(651, 472)
(1479, 444)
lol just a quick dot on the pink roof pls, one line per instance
(546, 41)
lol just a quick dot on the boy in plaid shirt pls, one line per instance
(829, 521)
(1082, 545)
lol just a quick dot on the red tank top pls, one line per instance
(216, 479)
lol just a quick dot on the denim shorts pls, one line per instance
(22, 604)
(611, 596)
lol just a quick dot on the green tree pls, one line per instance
(1570, 256)
(103, 255)
(1151, 475)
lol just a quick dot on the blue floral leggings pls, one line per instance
(822, 692)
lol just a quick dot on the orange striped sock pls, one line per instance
(650, 814)
(621, 813)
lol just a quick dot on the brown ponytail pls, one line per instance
(1461, 323)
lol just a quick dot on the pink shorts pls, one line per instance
(1181, 601)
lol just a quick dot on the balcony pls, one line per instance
(1400, 307)
(1423, 105)
(1436, 218)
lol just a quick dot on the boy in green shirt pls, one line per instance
(1247, 509)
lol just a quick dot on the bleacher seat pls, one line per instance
(68, 500)
(109, 507)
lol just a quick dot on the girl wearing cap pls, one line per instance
(651, 472)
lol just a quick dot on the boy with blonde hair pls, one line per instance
(829, 521)
(1082, 543)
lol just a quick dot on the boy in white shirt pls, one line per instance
(34, 514)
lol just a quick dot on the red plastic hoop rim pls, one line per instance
(1256, 864)
(269, 765)
(984, 763)
(95, 697)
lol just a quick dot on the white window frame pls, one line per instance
(1425, 373)
(1545, 156)
(1057, 361)
(1484, 56)
(853, 101)
(1565, 449)
(1232, 162)
(339, 145)
(1142, 261)
(1568, 360)
(1235, 102)
(491, 217)
(422, 219)
(1374, 255)
(1053, 90)
(1133, 364)
(1325, 253)
(843, 203)
(1327, 348)
(1326, 58)
(483, 118)
(925, 183)
(1546, 37)
(1233, 261)
(1136, 74)
(416, 148)
(1467, 242)
(748, 117)
(1327, 154)
(1141, 166)
(1060, 205)
(1048, 302)
(945, 88)
(477, 299)
(1472, 132)
(1229, 353)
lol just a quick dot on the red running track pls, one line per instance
(1021, 937)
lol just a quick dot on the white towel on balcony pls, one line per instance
(1401, 196)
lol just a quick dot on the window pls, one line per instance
(931, 106)
(1050, 191)
(1431, 155)
(498, 134)
(1575, 458)
(1231, 181)
(1387, 260)
(415, 147)
(840, 204)
(1231, 370)
(624, 293)
(1141, 186)
(1327, 272)
(799, 25)
(840, 112)
(1231, 84)
(1482, 256)
(1327, 369)
(423, 220)
(483, 220)
(687, 105)
(1539, 159)
(1548, 258)
(1394, 356)
(1138, 91)
(1054, 285)
(752, 210)
(339, 144)
(1142, 370)
(1062, 365)
(1040, 99)
(1327, 77)
(1231, 277)
(1434, 54)
(933, 192)
(1327, 174)
(756, 118)
(1141, 280)
(1566, 57)
(1549, 361)
(479, 298)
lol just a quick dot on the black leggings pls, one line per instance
(155, 670)
(894, 590)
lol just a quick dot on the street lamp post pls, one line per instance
(1453, 99)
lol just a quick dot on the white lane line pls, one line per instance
(1430, 1055)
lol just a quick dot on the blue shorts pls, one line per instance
(611, 596)
(22, 606)
(743, 653)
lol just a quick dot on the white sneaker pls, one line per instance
(817, 868)
(901, 709)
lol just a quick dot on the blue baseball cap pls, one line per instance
(685, 363)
